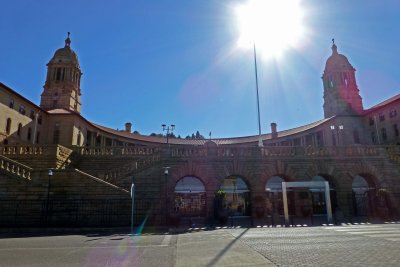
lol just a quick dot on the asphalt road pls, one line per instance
(351, 245)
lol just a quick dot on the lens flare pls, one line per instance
(272, 26)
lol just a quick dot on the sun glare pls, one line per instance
(272, 26)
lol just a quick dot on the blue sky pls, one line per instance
(176, 62)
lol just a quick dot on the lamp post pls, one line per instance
(260, 142)
(50, 174)
(338, 128)
(169, 129)
(166, 172)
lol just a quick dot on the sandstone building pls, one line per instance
(59, 169)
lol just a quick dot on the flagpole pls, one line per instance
(260, 142)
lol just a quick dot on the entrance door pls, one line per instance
(237, 196)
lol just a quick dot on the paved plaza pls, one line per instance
(348, 245)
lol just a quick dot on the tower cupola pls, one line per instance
(62, 86)
(341, 94)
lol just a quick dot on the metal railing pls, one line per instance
(65, 213)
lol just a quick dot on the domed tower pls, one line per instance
(341, 94)
(62, 87)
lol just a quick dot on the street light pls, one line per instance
(166, 172)
(50, 174)
(169, 129)
(337, 128)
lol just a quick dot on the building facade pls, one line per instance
(344, 167)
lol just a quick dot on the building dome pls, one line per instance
(65, 55)
(337, 62)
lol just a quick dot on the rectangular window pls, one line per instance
(309, 140)
(285, 143)
(297, 142)
(98, 139)
(108, 142)
(56, 134)
(371, 121)
(37, 137)
(22, 110)
(29, 135)
(373, 137)
(396, 130)
(356, 137)
(381, 117)
(383, 133)
(393, 113)
(320, 138)
(32, 115)
(88, 138)
(11, 103)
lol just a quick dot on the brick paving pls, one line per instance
(350, 245)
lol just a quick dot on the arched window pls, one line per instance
(274, 184)
(274, 201)
(318, 196)
(360, 185)
(19, 129)
(8, 126)
(78, 139)
(37, 137)
(190, 197)
(56, 133)
(29, 135)
(58, 75)
(363, 199)
(189, 184)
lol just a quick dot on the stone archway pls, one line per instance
(190, 197)
(236, 197)
(318, 196)
(363, 196)
(274, 201)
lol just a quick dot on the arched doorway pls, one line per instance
(190, 197)
(273, 187)
(236, 196)
(363, 194)
(318, 196)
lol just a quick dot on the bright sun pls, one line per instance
(272, 25)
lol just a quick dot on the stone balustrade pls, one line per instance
(394, 153)
(22, 150)
(112, 175)
(333, 151)
(115, 151)
(193, 151)
(15, 168)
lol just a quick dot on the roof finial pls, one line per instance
(68, 41)
(334, 47)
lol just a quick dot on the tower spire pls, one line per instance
(62, 86)
(341, 94)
